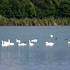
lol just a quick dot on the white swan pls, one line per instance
(34, 40)
(7, 43)
(67, 41)
(31, 44)
(20, 44)
(49, 44)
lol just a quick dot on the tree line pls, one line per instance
(34, 8)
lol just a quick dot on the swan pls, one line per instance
(7, 43)
(10, 43)
(20, 44)
(31, 44)
(34, 40)
(67, 41)
(49, 44)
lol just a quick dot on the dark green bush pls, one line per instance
(34, 8)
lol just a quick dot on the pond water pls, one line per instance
(38, 57)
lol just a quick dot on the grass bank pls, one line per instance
(35, 22)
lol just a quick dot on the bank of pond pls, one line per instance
(35, 22)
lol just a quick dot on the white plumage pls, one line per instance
(7, 43)
(49, 44)
(31, 44)
(51, 36)
(20, 44)
(34, 40)
(68, 43)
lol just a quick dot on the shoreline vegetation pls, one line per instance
(34, 12)
(34, 21)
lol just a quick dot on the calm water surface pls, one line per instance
(38, 57)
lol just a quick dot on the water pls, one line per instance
(38, 57)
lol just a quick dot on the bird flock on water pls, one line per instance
(31, 43)
(10, 44)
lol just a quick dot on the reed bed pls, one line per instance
(35, 22)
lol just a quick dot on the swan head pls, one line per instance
(46, 42)
(51, 35)
(17, 40)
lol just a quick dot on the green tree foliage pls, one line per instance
(65, 8)
(34, 8)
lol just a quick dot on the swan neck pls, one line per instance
(2, 41)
